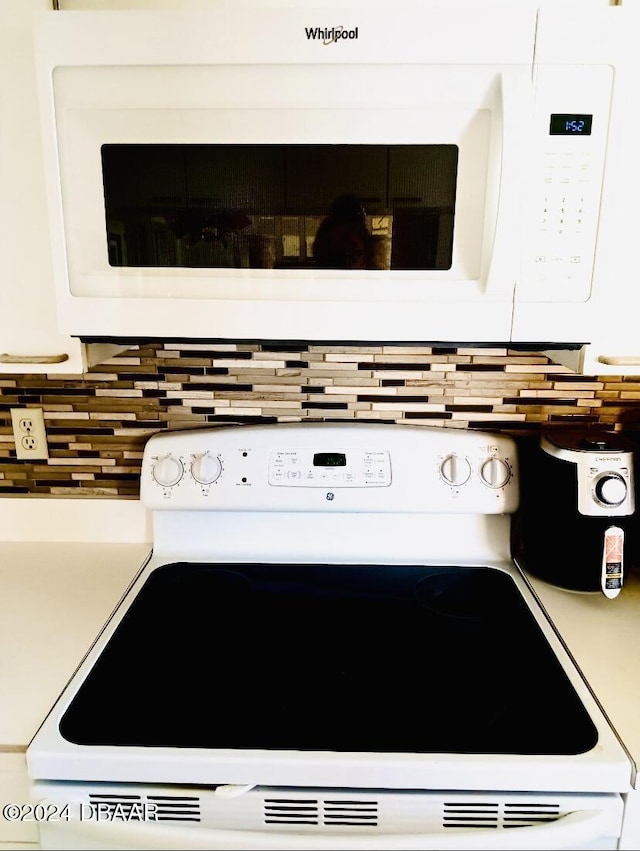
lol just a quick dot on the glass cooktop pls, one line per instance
(344, 658)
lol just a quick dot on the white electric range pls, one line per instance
(329, 647)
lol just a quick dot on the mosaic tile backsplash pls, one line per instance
(97, 423)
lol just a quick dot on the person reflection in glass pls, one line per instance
(343, 240)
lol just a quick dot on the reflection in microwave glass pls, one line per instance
(280, 206)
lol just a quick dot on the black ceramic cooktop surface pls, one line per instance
(330, 657)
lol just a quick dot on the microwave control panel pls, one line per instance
(570, 126)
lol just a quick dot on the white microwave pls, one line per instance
(427, 172)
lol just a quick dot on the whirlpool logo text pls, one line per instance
(330, 35)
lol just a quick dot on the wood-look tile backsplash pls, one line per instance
(97, 423)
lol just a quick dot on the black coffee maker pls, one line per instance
(575, 525)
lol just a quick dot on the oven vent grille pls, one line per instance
(495, 814)
(526, 814)
(167, 808)
(329, 813)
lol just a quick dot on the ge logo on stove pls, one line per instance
(330, 495)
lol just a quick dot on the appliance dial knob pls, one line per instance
(167, 471)
(495, 473)
(611, 489)
(206, 468)
(455, 470)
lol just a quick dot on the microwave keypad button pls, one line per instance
(562, 256)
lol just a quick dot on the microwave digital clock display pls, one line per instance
(571, 124)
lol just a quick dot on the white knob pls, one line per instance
(167, 471)
(611, 489)
(206, 468)
(455, 470)
(495, 473)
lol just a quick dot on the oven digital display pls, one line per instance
(329, 459)
(573, 124)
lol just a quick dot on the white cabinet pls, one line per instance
(615, 341)
(27, 304)
(615, 346)
(29, 338)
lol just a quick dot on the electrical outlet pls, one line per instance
(29, 433)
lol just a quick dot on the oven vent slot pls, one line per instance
(351, 813)
(175, 807)
(166, 808)
(329, 813)
(495, 814)
(291, 811)
(526, 814)
(474, 814)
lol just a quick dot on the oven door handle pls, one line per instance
(569, 831)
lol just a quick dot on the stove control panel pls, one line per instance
(358, 467)
(339, 468)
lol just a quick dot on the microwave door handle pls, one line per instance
(514, 106)
(573, 830)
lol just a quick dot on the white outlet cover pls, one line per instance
(30, 434)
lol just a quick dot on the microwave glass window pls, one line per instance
(280, 206)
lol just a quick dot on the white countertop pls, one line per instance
(64, 565)
(603, 636)
(55, 598)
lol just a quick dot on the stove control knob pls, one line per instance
(455, 470)
(206, 468)
(167, 471)
(495, 473)
(611, 489)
